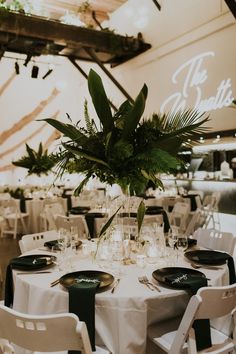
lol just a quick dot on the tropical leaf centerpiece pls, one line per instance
(125, 149)
(37, 162)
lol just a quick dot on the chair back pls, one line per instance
(77, 222)
(32, 241)
(51, 211)
(179, 215)
(200, 307)
(194, 223)
(47, 333)
(215, 240)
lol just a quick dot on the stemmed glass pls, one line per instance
(172, 241)
(182, 243)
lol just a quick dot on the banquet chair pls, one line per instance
(169, 202)
(180, 215)
(215, 240)
(177, 336)
(14, 220)
(32, 241)
(194, 223)
(45, 333)
(210, 209)
(48, 216)
(73, 221)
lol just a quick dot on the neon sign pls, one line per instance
(195, 77)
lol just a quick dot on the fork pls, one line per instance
(142, 281)
(145, 279)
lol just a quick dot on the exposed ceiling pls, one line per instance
(57, 8)
(47, 31)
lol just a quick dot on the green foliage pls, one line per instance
(126, 150)
(37, 162)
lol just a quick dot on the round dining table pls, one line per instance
(121, 317)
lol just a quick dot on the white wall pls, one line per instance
(180, 31)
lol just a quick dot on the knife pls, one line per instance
(115, 285)
(23, 273)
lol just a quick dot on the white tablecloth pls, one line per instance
(122, 317)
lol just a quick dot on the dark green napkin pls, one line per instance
(183, 280)
(22, 263)
(82, 303)
(89, 217)
(155, 210)
(216, 258)
(193, 202)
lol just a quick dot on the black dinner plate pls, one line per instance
(33, 262)
(54, 243)
(161, 274)
(79, 210)
(104, 278)
(209, 257)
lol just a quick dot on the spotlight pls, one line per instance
(27, 60)
(47, 73)
(35, 71)
(17, 68)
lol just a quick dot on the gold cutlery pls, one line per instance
(115, 285)
(55, 282)
(142, 281)
(42, 272)
(145, 279)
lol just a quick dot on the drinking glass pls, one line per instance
(182, 243)
(172, 241)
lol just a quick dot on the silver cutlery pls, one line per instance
(42, 272)
(145, 278)
(115, 285)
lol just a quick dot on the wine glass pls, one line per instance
(172, 241)
(182, 243)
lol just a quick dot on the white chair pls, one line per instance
(194, 223)
(215, 240)
(178, 336)
(48, 216)
(32, 241)
(180, 215)
(47, 333)
(14, 220)
(73, 221)
(210, 209)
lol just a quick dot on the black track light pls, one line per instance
(17, 68)
(35, 72)
(27, 60)
(47, 73)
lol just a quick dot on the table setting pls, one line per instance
(124, 296)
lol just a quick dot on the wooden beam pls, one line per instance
(118, 85)
(232, 6)
(72, 60)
